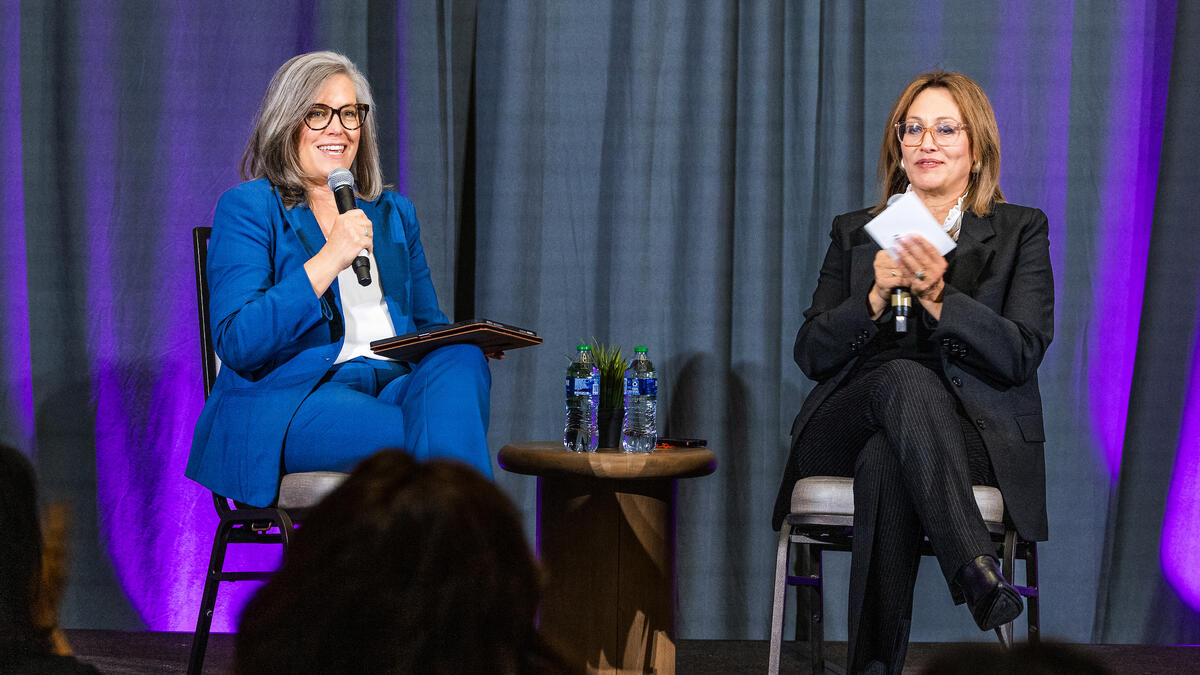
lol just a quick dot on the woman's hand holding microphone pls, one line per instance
(350, 234)
(918, 267)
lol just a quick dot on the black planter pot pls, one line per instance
(610, 420)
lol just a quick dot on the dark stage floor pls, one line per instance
(117, 652)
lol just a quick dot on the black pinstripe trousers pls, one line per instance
(898, 430)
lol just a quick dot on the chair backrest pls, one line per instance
(208, 355)
(306, 489)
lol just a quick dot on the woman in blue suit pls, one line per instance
(299, 388)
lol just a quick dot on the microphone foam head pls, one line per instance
(340, 178)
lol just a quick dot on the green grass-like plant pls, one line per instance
(612, 374)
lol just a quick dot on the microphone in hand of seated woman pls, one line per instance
(921, 400)
(310, 260)
(341, 182)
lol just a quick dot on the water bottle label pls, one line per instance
(647, 386)
(583, 386)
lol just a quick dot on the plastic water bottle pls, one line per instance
(580, 434)
(640, 431)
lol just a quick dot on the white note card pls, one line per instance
(907, 216)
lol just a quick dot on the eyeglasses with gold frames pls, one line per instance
(943, 132)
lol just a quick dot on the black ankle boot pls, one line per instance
(993, 602)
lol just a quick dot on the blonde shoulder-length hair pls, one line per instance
(272, 152)
(983, 185)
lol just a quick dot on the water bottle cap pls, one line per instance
(583, 348)
(639, 349)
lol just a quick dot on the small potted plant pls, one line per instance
(611, 414)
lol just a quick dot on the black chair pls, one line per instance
(241, 524)
(822, 518)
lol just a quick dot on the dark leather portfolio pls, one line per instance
(490, 336)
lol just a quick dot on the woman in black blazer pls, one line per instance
(918, 417)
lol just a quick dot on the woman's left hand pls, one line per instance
(926, 267)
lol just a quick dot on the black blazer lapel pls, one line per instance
(970, 258)
(862, 268)
(862, 250)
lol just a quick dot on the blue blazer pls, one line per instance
(275, 337)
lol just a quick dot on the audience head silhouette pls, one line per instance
(20, 557)
(32, 576)
(407, 567)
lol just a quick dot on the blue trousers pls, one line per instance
(438, 410)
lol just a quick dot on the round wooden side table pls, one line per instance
(606, 538)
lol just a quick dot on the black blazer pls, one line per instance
(997, 320)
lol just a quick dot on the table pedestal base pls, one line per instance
(606, 537)
(608, 547)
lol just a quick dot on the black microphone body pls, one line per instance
(901, 298)
(344, 196)
(901, 302)
(341, 182)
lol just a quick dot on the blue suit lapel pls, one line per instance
(301, 230)
(391, 256)
(304, 228)
(390, 251)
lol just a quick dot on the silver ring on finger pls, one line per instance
(894, 273)
(920, 275)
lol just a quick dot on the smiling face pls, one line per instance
(936, 171)
(332, 147)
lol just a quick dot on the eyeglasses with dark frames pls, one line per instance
(351, 115)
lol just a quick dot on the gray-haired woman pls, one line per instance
(299, 388)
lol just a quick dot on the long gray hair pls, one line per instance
(272, 152)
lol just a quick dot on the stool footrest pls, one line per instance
(803, 580)
(242, 576)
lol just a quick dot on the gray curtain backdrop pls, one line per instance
(646, 173)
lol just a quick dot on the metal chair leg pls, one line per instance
(815, 616)
(208, 600)
(286, 531)
(777, 605)
(1008, 569)
(1032, 618)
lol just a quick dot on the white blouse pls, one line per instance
(953, 223)
(365, 313)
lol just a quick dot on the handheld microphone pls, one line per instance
(901, 298)
(901, 302)
(341, 181)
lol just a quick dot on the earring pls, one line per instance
(901, 162)
(978, 167)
